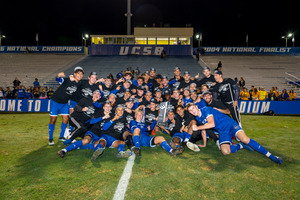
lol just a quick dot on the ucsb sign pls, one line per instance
(140, 50)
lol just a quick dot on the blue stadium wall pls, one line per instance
(249, 107)
(178, 50)
(251, 50)
(42, 49)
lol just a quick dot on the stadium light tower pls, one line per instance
(1, 36)
(128, 15)
(286, 38)
(198, 38)
(85, 37)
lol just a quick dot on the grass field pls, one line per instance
(30, 169)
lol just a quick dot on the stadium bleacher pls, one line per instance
(267, 71)
(104, 65)
(27, 67)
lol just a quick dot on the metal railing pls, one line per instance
(296, 83)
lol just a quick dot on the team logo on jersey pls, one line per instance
(71, 90)
(119, 126)
(171, 126)
(209, 84)
(90, 111)
(87, 92)
(150, 117)
(223, 88)
(106, 93)
(120, 94)
(129, 118)
(176, 84)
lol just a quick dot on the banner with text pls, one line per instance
(42, 49)
(247, 107)
(250, 50)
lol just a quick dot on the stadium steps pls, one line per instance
(104, 65)
(262, 70)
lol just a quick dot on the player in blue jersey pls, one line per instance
(59, 101)
(227, 127)
(141, 138)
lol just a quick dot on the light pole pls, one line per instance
(1, 36)
(128, 15)
(286, 38)
(198, 38)
(85, 37)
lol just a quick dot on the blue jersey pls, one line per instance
(141, 125)
(221, 121)
(28, 95)
(21, 93)
(186, 101)
(201, 104)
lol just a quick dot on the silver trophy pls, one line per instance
(162, 114)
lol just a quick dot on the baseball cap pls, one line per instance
(193, 84)
(164, 77)
(127, 90)
(120, 106)
(97, 91)
(78, 68)
(206, 68)
(146, 72)
(93, 73)
(193, 91)
(158, 76)
(130, 100)
(206, 92)
(186, 89)
(218, 72)
(153, 101)
(167, 92)
(112, 94)
(186, 72)
(140, 88)
(152, 69)
(129, 81)
(177, 68)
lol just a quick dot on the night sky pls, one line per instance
(222, 22)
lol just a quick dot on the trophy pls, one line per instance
(162, 114)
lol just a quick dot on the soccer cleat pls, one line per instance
(218, 144)
(184, 144)
(192, 146)
(180, 150)
(51, 142)
(173, 145)
(97, 153)
(61, 139)
(175, 152)
(246, 147)
(124, 154)
(137, 151)
(277, 160)
(61, 153)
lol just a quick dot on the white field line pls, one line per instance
(124, 180)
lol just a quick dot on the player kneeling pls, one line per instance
(141, 138)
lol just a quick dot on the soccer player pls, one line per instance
(94, 133)
(59, 101)
(227, 127)
(113, 135)
(177, 77)
(141, 138)
(83, 112)
(150, 115)
(228, 91)
(187, 81)
(208, 79)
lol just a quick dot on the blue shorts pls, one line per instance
(58, 108)
(146, 140)
(180, 136)
(94, 137)
(109, 140)
(225, 135)
(72, 104)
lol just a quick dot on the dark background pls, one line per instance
(222, 22)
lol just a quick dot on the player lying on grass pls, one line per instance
(114, 134)
(94, 132)
(140, 136)
(227, 127)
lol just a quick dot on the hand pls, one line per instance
(197, 76)
(128, 110)
(61, 74)
(195, 128)
(146, 86)
(201, 145)
(133, 90)
(106, 116)
(72, 78)
(234, 104)
(85, 109)
(181, 129)
(100, 87)
(141, 99)
(118, 88)
(116, 117)
(156, 118)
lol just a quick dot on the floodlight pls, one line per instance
(197, 36)
(86, 35)
(290, 35)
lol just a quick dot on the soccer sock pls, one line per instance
(62, 129)
(165, 146)
(188, 136)
(121, 147)
(128, 141)
(98, 146)
(74, 146)
(136, 140)
(51, 130)
(71, 127)
(235, 148)
(258, 147)
(67, 142)
(87, 146)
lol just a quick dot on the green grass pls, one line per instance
(30, 169)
